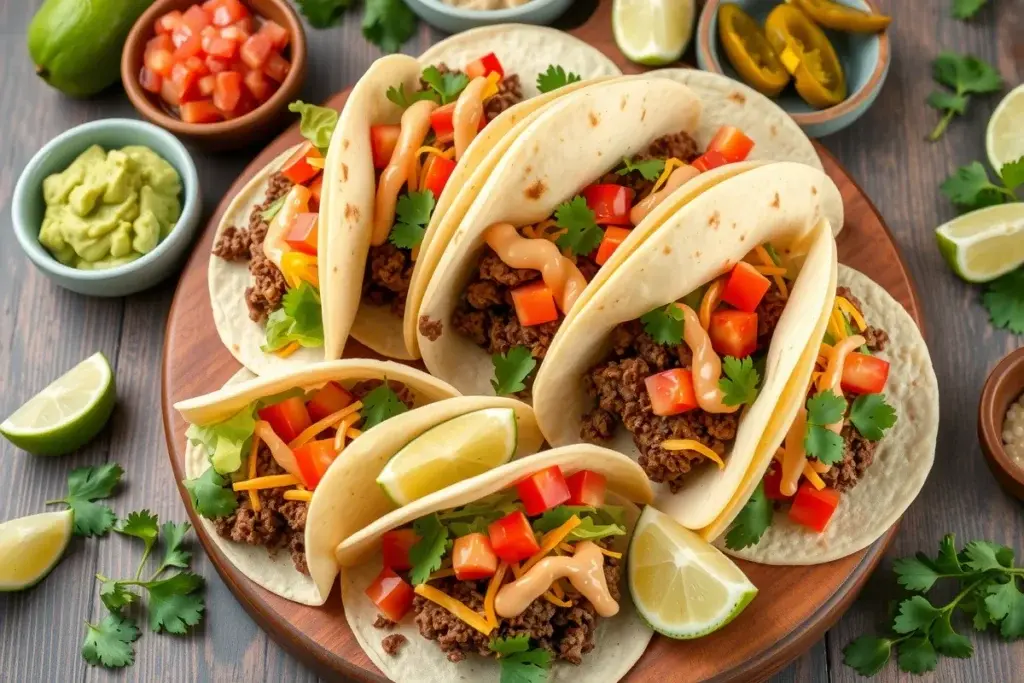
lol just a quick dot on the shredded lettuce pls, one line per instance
(226, 441)
(317, 123)
(595, 523)
(299, 319)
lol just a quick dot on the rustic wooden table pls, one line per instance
(44, 330)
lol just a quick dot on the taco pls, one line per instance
(862, 444)
(263, 454)
(681, 355)
(525, 561)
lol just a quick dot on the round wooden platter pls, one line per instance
(795, 605)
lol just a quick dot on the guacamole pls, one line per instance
(109, 208)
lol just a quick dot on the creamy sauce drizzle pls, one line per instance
(469, 110)
(649, 203)
(833, 375)
(707, 366)
(794, 456)
(415, 126)
(585, 571)
(560, 274)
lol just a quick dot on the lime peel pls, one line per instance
(32, 546)
(982, 245)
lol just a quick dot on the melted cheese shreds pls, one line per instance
(458, 609)
(254, 498)
(810, 470)
(551, 540)
(343, 431)
(554, 600)
(849, 309)
(670, 165)
(287, 350)
(273, 481)
(304, 496)
(493, 79)
(441, 574)
(610, 553)
(316, 162)
(693, 445)
(310, 432)
(770, 270)
(492, 593)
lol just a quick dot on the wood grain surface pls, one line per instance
(44, 330)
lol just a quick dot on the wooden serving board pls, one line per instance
(795, 605)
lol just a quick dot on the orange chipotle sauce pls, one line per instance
(585, 571)
(560, 274)
(415, 126)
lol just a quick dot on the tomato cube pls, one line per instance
(255, 51)
(441, 120)
(609, 202)
(473, 558)
(512, 537)
(168, 22)
(534, 304)
(150, 80)
(234, 34)
(745, 287)
(439, 170)
(258, 85)
(227, 91)
(383, 140)
(277, 34)
(395, 546)
(671, 392)
(159, 61)
(543, 490)
(297, 168)
(733, 333)
(206, 87)
(302, 233)
(216, 65)
(200, 111)
(328, 399)
(229, 12)
(813, 508)
(709, 160)
(864, 374)
(168, 93)
(197, 66)
(222, 48)
(731, 143)
(391, 594)
(487, 64)
(191, 47)
(159, 42)
(287, 418)
(773, 484)
(613, 237)
(180, 34)
(586, 488)
(196, 18)
(313, 459)
(315, 188)
(186, 82)
(277, 67)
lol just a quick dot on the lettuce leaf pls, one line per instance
(299, 319)
(595, 523)
(317, 123)
(226, 441)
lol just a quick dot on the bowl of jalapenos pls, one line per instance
(823, 61)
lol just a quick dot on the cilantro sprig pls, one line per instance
(404, 100)
(511, 370)
(446, 86)
(750, 524)
(965, 75)
(739, 384)
(650, 169)
(582, 233)
(872, 416)
(664, 325)
(379, 405)
(1004, 300)
(85, 486)
(109, 642)
(426, 555)
(989, 591)
(386, 23)
(210, 494)
(413, 213)
(966, 9)
(520, 664)
(823, 409)
(555, 77)
(970, 188)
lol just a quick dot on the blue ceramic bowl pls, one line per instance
(27, 207)
(865, 58)
(455, 19)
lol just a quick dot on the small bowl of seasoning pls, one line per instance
(1001, 422)
(108, 208)
(455, 16)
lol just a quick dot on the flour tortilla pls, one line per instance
(902, 460)
(788, 204)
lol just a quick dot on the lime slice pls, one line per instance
(652, 32)
(32, 546)
(682, 586)
(66, 414)
(457, 449)
(984, 244)
(1004, 137)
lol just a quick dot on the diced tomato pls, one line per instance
(277, 67)
(473, 558)
(244, 25)
(813, 508)
(208, 35)
(186, 83)
(150, 80)
(234, 34)
(613, 237)
(200, 111)
(222, 48)
(328, 399)
(391, 594)
(383, 139)
(315, 188)
(228, 12)
(709, 160)
(197, 66)
(773, 484)
(609, 202)
(258, 85)
(543, 490)
(487, 64)
(395, 546)
(864, 374)
(733, 333)
(297, 169)
(216, 65)
(441, 121)
(159, 42)
(227, 91)
(439, 170)
(287, 418)
(313, 458)
(180, 34)
(245, 105)
(168, 22)
(206, 87)
(192, 47)
(277, 34)
(671, 392)
(302, 233)
(196, 18)
(159, 61)
(745, 287)
(731, 143)
(512, 537)
(168, 93)
(255, 51)
(586, 487)
(535, 304)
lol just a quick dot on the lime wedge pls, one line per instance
(1004, 137)
(984, 244)
(682, 586)
(456, 449)
(66, 414)
(32, 546)
(652, 32)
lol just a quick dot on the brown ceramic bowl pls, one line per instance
(1004, 385)
(224, 134)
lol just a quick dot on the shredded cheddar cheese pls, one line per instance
(419, 169)
(551, 540)
(554, 600)
(557, 590)
(352, 432)
(840, 325)
(770, 270)
(287, 350)
(693, 445)
(492, 593)
(297, 267)
(458, 609)
(316, 162)
(809, 471)
(709, 302)
(610, 553)
(254, 498)
(273, 481)
(343, 430)
(304, 496)
(767, 260)
(517, 570)
(310, 432)
(493, 79)
(849, 309)
(671, 164)
(441, 574)
(566, 548)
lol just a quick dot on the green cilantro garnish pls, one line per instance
(739, 385)
(664, 325)
(582, 234)
(1004, 299)
(510, 645)
(381, 404)
(323, 13)
(316, 123)
(966, 75)
(109, 643)
(823, 409)
(511, 370)
(988, 589)
(299, 319)
(86, 485)
(268, 213)
(387, 23)
(752, 521)
(530, 666)
(871, 415)
(173, 535)
(404, 99)
(428, 552)
(446, 85)
(211, 494)
(413, 213)
(966, 9)
(650, 169)
(480, 513)
(595, 523)
(141, 525)
(174, 603)
(970, 187)
(555, 77)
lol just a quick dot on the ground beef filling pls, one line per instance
(676, 145)
(566, 632)
(387, 277)
(877, 338)
(510, 92)
(246, 244)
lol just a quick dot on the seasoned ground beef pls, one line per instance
(510, 92)
(566, 632)
(678, 145)
(383, 622)
(393, 643)
(240, 244)
(876, 338)
(405, 394)
(858, 454)
(387, 278)
(769, 310)
(430, 328)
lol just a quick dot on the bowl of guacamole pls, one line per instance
(108, 208)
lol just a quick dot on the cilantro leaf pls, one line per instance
(404, 100)
(448, 85)
(1012, 174)
(964, 74)
(525, 667)
(173, 535)
(917, 655)
(323, 13)
(211, 494)
(268, 213)
(947, 561)
(970, 188)
(115, 596)
(915, 573)
(1004, 299)
(555, 77)
(299, 319)
(109, 643)
(413, 213)
(381, 404)
(511, 370)
(478, 525)
(174, 604)
(871, 415)
(664, 325)
(823, 409)
(966, 9)
(582, 233)
(981, 556)
(316, 123)
(650, 169)
(947, 641)
(1005, 603)
(595, 523)
(941, 100)
(388, 23)
(916, 614)
(867, 654)
(426, 555)
(752, 521)
(86, 485)
(510, 645)
(142, 525)
(739, 384)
